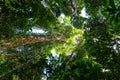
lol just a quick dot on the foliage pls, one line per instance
(73, 48)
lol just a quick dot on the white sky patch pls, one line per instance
(44, 3)
(49, 61)
(61, 18)
(116, 49)
(105, 70)
(18, 30)
(44, 78)
(83, 13)
(19, 49)
(116, 45)
(62, 15)
(37, 30)
(54, 53)
(118, 42)
(30, 19)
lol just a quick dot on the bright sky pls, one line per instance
(37, 30)
(83, 13)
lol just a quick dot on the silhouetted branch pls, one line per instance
(68, 58)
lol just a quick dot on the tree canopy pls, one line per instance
(81, 40)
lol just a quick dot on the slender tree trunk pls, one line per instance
(74, 7)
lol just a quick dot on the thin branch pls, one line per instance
(68, 59)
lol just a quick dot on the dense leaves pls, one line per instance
(82, 40)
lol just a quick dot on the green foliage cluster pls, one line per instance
(89, 48)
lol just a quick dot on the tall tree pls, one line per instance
(74, 46)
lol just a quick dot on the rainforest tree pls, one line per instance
(82, 40)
